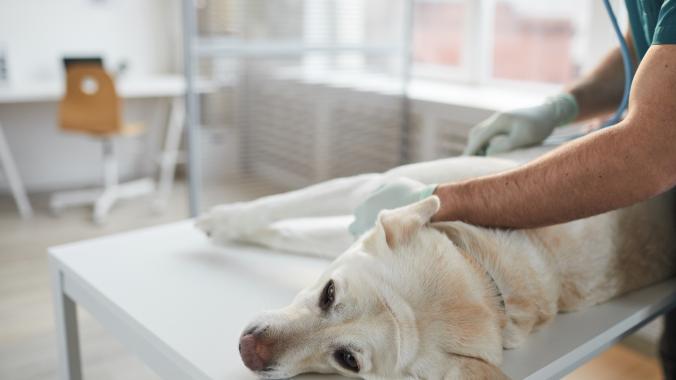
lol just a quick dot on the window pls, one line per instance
(354, 34)
(468, 41)
(533, 41)
(438, 32)
(503, 41)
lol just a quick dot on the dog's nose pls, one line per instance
(255, 354)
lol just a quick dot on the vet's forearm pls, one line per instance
(600, 92)
(583, 179)
(613, 168)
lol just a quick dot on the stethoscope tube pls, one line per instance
(628, 77)
(628, 67)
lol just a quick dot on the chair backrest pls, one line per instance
(91, 104)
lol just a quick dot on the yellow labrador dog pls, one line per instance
(412, 299)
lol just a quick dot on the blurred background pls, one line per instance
(234, 99)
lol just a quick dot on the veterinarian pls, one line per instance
(612, 168)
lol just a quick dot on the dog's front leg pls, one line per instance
(331, 198)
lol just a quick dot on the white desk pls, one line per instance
(180, 303)
(171, 87)
(157, 86)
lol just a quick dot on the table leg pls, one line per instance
(170, 152)
(15, 184)
(68, 344)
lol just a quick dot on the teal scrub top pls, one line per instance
(653, 22)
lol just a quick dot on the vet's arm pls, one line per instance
(600, 92)
(609, 169)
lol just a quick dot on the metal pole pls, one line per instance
(192, 108)
(406, 67)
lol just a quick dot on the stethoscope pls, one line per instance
(628, 77)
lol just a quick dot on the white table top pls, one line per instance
(157, 86)
(188, 300)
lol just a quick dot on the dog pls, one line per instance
(411, 299)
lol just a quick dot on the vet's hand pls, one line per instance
(395, 193)
(506, 131)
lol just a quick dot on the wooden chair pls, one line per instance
(91, 106)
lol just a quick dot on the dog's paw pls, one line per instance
(228, 222)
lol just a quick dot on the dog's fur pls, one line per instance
(420, 300)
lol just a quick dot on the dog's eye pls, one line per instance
(346, 360)
(328, 296)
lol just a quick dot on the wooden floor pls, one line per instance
(27, 344)
(619, 362)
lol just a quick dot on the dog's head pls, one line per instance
(402, 302)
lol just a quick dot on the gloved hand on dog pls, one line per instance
(394, 193)
(507, 131)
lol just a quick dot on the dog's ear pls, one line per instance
(468, 368)
(397, 227)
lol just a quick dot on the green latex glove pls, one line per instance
(507, 131)
(395, 193)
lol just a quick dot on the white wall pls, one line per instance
(36, 34)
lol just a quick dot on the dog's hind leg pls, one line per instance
(335, 197)
(452, 169)
(330, 198)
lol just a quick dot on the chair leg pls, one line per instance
(113, 190)
(110, 170)
(15, 184)
(103, 205)
(104, 198)
(135, 188)
(110, 183)
(61, 200)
